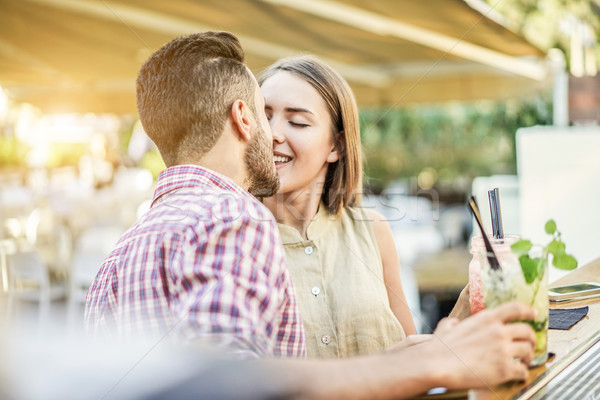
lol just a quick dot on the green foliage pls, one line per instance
(521, 247)
(456, 140)
(556, 248)
(550, 227)
(560, 259)
(564, 261)
(534, 267)
(125, 135)
(546, 23)
(153, 162)
(65, 154)
(12, 152)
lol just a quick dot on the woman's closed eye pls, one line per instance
(297, 125)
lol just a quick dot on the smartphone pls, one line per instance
(574, 292)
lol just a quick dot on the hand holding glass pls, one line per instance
(509, 283)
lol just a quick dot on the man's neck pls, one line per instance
(227, 158)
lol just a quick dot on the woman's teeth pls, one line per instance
(281, 159)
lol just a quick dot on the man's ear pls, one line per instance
(241, 119)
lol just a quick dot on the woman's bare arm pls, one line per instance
(391, 272)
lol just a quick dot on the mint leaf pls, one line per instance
(521, 247)
(534, 268)
(556, 248)
(529, 267)
(564, 261)
(550, 227)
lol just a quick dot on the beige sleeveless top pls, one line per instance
(338, 276)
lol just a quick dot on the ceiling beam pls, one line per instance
(415, 69)
(385, 26)
(175, 26)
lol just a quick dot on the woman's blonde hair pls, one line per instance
(344, 177)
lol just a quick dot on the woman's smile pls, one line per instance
(281, 160)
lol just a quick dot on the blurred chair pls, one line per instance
(52, 239)
(85, 267)
(92, 247)
(16, 199)
(6, 247)
(29, 280)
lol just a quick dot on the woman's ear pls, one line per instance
(241, 119)
(336, 148)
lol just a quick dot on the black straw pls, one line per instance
(491, 255)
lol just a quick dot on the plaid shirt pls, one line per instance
(205, 263)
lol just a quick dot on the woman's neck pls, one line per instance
(296, 209)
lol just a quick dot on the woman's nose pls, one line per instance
(276, 131)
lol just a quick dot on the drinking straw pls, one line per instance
(491, 255)
(493, 215)
(496, 214)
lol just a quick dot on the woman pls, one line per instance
(342, 258)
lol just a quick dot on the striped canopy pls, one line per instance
(83, 55)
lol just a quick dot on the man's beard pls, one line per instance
(262, 180)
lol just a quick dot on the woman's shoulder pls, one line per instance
(363, 221)
(371, 220)
(363, 214)
(351, 219)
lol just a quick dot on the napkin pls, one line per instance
(564, 318)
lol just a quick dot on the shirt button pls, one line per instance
(308, 250)
(326, 339)
(315, 291)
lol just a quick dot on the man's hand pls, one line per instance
(411, 340)
(484, 350)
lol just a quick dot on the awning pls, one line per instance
(83, 55)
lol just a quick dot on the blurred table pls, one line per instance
(569, 346)
(444, 271)
(440, 278)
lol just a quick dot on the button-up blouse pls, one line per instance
(338, 276)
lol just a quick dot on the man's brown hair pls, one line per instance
(186, 89)
(344, 177)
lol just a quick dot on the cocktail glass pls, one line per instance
(477, 246)
(509, 284)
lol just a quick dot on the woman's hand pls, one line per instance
(462, 308)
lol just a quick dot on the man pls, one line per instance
(205, 263)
